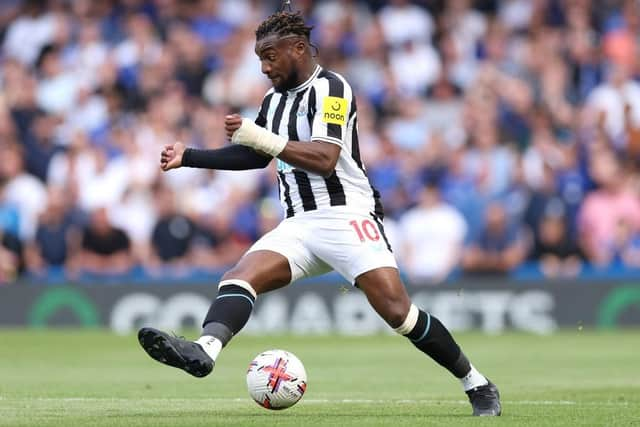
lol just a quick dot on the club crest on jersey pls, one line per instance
(302, 110)
(334, 110)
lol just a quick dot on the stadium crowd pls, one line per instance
(498, 132)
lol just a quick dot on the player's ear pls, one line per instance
(300, 47)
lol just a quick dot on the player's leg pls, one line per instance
(278, 258)
(387, 295)
(256, 273)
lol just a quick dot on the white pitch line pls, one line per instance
(429, 402)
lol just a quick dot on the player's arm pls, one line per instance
(234, 157)
(330, 112)
(319, 158)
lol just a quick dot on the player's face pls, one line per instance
(279, 58)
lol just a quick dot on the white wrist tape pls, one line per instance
(256, 137)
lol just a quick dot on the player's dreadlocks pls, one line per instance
(283, 24)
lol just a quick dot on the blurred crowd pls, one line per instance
(499, 132)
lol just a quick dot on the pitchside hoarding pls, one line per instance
(323, 308)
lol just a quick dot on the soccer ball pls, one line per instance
(276, 379)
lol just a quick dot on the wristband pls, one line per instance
(258, 138)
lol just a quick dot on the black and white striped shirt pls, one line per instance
(321, 109)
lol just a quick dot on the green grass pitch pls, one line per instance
(94, 378)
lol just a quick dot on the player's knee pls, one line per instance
(408, 321)
(233, 274)
(237, 277)
(396, 314)
(239, 272)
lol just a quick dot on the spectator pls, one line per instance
(215, 244)
(443, 110)
(34, 28)
(21, 189)
(192, 67)
(545, 201)
(403, 22)
(464, 28)
(58, 87)
(140, 47)
(173, 233)
(609, 212)
(88, 54)
(103, 181)
(408, 130)
(209, 25)
(488, 161)
(57, 236)
(105, 250)
(432, 235)
(414, 66)
(617, 101)
(558, 254)
(500, 248)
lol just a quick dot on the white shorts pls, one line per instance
(337, 238)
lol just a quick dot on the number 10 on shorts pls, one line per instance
(365, 229)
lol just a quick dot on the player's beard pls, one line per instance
(289, 83)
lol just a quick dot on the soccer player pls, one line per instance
(308, 122)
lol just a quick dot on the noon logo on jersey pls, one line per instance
(334, 110)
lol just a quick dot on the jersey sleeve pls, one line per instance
(331, 101)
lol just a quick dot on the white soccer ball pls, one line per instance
(276, 379)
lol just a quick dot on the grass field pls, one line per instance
(97, 379)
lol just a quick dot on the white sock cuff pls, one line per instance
(211, 345)
(244, 285)
(410, 322)
(473, 379)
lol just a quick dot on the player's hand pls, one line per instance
(171, 156)
(232, 123)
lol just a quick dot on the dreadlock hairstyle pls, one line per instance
(284, 24)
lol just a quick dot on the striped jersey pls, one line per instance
(322, 109)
